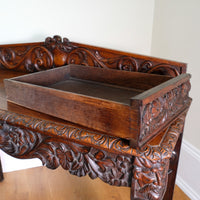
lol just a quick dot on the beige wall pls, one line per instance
(176, 36)
(117, 24)
(124, 25)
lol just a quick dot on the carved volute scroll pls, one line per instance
(26, 58)
(55, 52)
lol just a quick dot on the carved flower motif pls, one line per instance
(161, 109)
(72, 158)
(156, 108)
(127, 64)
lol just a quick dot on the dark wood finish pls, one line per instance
(160, 112)
(150, 167)
(1, 172)
(100, 98)
(173, 170)
(55, 52)
(150, 172)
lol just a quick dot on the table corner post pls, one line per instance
(1, 172)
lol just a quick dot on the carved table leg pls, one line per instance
(1, 172)
(173, 170)
(150, 168)
(149, 179)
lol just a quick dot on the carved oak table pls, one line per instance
(148, 165)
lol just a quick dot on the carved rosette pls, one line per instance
(160, 110)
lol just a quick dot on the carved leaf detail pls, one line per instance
(79, 159)
(150, 178)
(159, 111)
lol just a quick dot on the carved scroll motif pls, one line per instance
(74, 54)
(163, 108)
(162, 68)
(80, 160)
(28, 59)
(55, 52)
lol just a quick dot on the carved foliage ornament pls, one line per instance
(109, 143)
(150, 179)
(150, 172)
(68, 132)
(67, 53)
(55, 52)
(156, 113)
(26, 58)
(80, 160)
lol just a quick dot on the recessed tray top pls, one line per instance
(96, 89)
(106, 100)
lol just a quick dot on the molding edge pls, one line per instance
(187, 189)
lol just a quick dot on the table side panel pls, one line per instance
(162, 104)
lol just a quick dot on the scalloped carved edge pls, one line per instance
(90, 138)
(79, 159)
(108, 143)
(55, 52)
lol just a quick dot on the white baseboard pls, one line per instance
(189, 171)
(187, 189)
